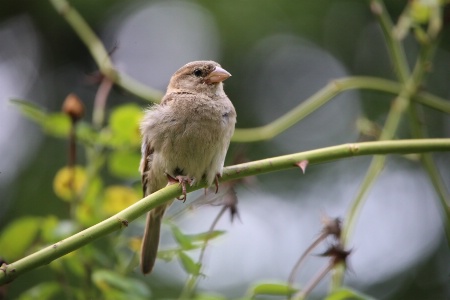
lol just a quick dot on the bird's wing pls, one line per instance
(146, 160)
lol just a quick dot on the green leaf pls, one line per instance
(70, 264)
(189, 265)
(30, 110)
(274, 289)
(204, 236)
(168, 255)
(183, 240)
(46, 290)
(86, 134)
(420, 11)
(57, 124)
(124, 164)
(209, 297)
(110, 283)
(348, 294)
(124, 124)
(117, 198)
(18, 237)
(48, 229)
(95, 186)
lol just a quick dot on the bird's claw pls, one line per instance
(181, 180)
(216, 182)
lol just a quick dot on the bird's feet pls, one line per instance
(181, 180)
(216, 184)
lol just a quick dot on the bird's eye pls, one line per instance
(198, 72)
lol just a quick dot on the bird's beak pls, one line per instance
(218, 75)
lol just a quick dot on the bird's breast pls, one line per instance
(197, 136)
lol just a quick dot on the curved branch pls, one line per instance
(266, 132)
(101, 56)
(120, 221)
(324, 95)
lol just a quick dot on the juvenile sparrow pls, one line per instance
(184, 139)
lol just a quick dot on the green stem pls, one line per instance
(191, 283)
(119, 221)
(427, 160)
(100, 55)
(433, 101)
(441, 190)
(400, 105)
(395, 48)
(324, 95)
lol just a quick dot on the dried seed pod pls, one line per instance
(73, 107)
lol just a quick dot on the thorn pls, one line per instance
(123, 222)
(230, 201)
(337, 254)
(302, 165)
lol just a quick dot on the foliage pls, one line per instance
(112, 150)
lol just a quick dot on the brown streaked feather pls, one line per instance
(187, 135)
(174, 96)
(150, 240)
(145, 167)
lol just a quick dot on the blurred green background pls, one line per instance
(279, 53)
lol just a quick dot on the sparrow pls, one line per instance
(184, 140)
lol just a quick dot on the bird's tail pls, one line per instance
(150, 241)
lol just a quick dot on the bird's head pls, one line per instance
(199, 76)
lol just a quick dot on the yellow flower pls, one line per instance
(117, 198)
(69, 182)
(135, 244)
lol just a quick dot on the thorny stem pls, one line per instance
(331, 227)
(418, 131)
(312, 284)
(401, 104)
(302, 258)
(395, 48)
(321, 97)
(9, 272)
(399, 107)
(100, 55)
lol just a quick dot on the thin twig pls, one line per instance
(297, 265)
(193, 278)
(312, 284)
(98, 114)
